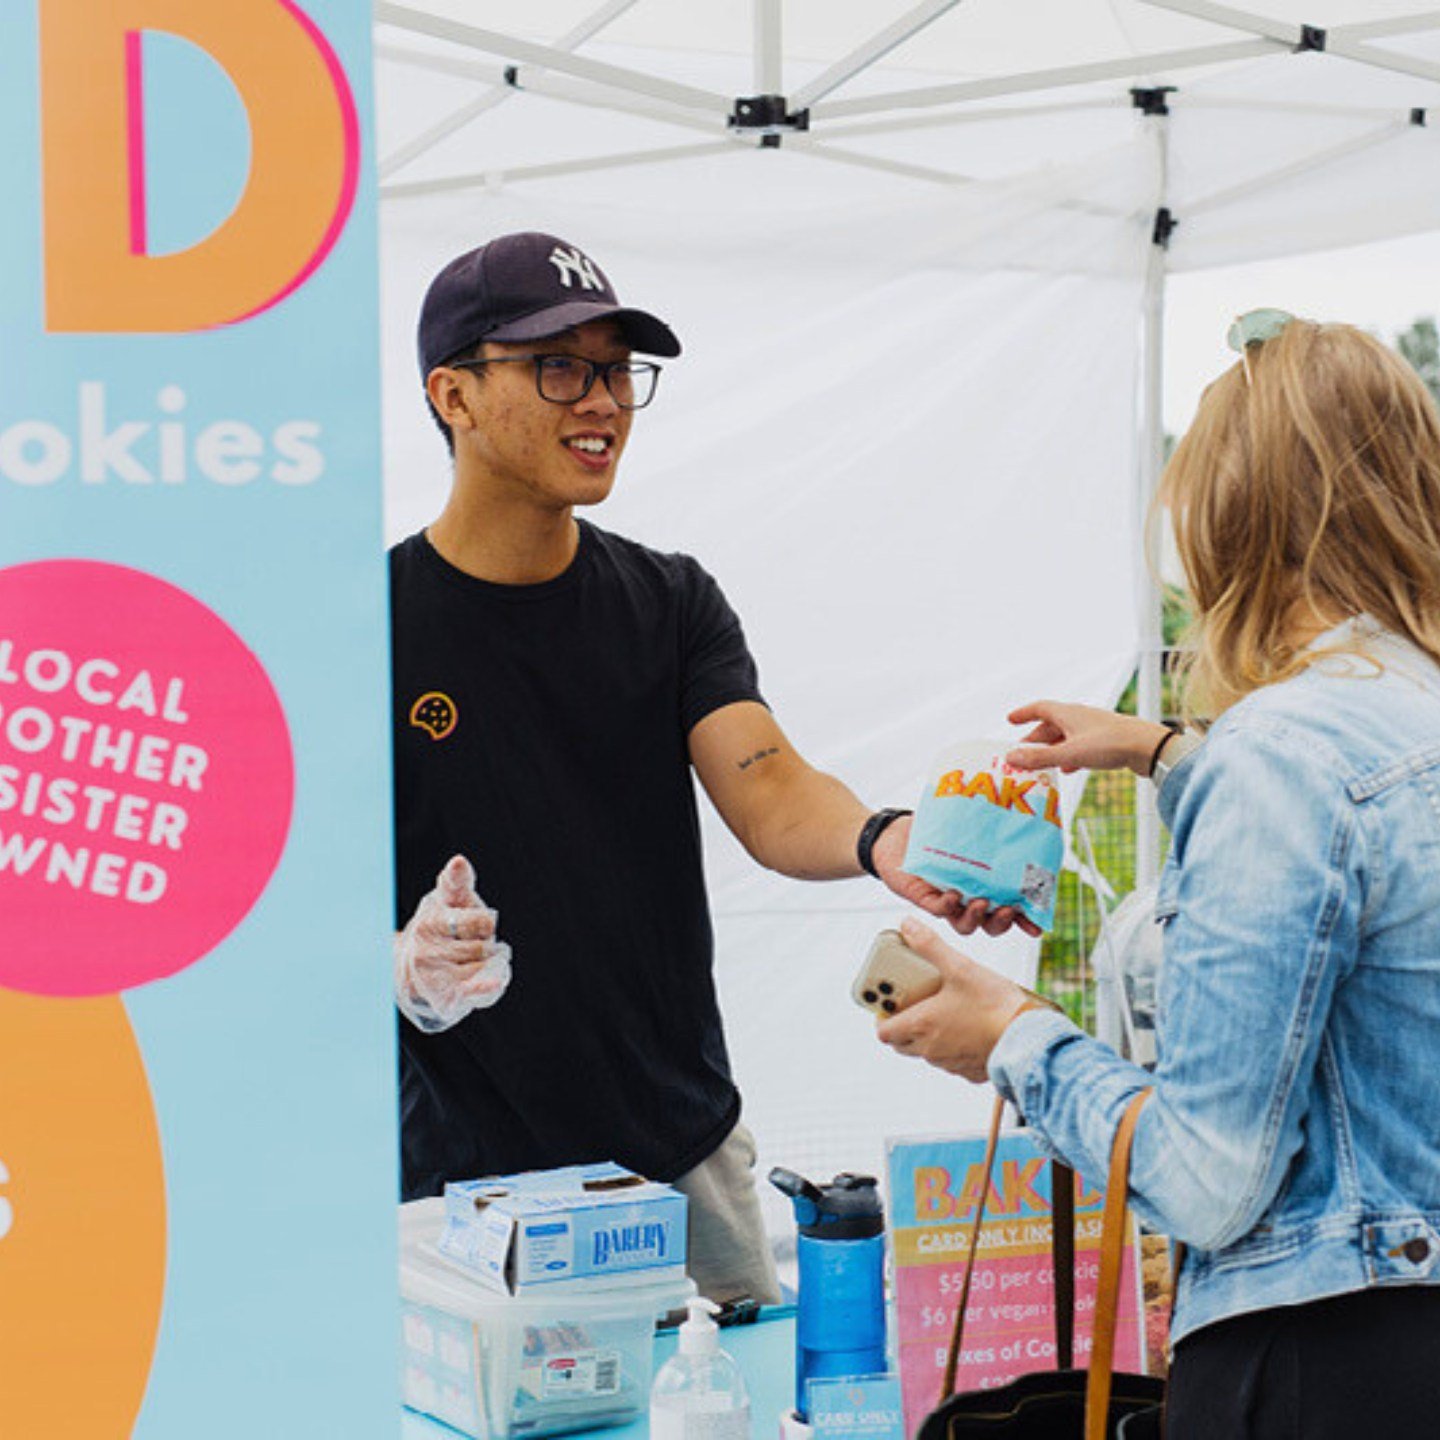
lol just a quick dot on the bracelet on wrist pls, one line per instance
(1172, 729)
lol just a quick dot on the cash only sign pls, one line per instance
(196, 1050)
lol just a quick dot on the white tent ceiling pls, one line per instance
(904, 434)
(978, 89)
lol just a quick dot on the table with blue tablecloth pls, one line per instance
(764, 1350)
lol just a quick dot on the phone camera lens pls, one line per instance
(869, 996)
(886, 988)
(889, 1006)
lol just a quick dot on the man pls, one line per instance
(554, 686)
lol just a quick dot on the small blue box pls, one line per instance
(579, 1223)
(859, 1407)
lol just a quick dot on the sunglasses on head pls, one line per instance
(1255, 327)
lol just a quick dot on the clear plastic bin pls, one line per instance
(495, 1366)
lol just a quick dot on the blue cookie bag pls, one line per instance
(990, 831)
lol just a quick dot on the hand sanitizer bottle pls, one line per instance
(699, 1393)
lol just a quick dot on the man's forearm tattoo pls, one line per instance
(759, 755)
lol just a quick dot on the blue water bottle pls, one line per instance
(840, 1324)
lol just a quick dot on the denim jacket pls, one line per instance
(1293, 1137)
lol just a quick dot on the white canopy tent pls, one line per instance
(917, 254)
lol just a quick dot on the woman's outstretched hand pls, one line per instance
(1083, 737)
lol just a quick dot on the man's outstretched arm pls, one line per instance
(804, 823)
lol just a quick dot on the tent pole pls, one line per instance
(588, 28)
(1262, 183)
(871, 52)
(531, 81)
(1382, 29)
(1285, 30)
(1305, 37)
(1149, 462)
(1382, 59)
(768, 48)
(1155, 63)
(495, 179)
(524, 52)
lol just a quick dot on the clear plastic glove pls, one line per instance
(447, 959)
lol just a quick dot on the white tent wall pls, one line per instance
(904, 432)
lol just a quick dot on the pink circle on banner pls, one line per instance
(146, 778)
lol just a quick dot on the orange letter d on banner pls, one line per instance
(304, 164)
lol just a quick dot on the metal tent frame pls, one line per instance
(811, 120)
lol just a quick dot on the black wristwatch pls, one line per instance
(870, 832)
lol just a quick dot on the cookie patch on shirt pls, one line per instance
(435, 714)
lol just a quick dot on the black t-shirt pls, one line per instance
(540, 730)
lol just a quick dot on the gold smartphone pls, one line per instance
(893, 976)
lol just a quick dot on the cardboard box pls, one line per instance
(578, 1224)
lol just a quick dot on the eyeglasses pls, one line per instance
(568, 379)
(1255, 327)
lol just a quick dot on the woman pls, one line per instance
(1292, 1139)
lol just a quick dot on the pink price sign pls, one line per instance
(1009, 1321)
(146, 778)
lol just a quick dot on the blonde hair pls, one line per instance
(1307, 491)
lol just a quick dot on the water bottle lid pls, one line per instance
(848, 1208)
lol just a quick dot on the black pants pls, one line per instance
(1358, 1367)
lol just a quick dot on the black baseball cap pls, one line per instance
(526, 286)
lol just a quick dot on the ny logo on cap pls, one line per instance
(571, 263)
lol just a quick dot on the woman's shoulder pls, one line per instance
(1297, 707)
(1348, 713)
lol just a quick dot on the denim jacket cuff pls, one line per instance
(1026, 1041)
(1168, 799)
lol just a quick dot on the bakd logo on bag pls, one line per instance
(199, 163)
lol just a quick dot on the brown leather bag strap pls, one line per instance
(1062, 1253)
(1064, 1330)
(1112, 1252)
(1062, 1258)
(957, 1334)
